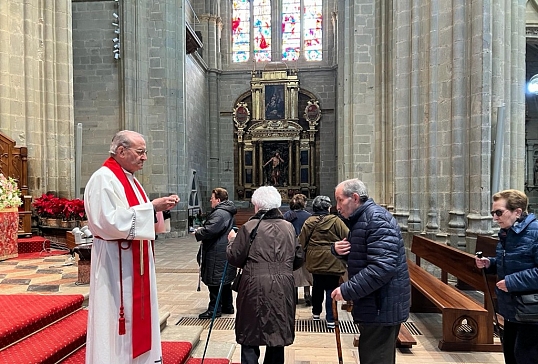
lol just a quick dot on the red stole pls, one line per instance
(141, 320)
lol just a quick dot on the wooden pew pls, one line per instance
(404, 340)
(467, 326)
(487, 245)
(242, 216)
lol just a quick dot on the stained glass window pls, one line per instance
(313, 47)
(301, 30)
(262, 30)
(291, 29)
(241, 30)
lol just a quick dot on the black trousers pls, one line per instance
(226, 298)
(520, 345)
(377, 344)
(251, 354)
(323, 286)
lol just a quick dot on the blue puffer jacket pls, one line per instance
(516, 262)
(378, 276)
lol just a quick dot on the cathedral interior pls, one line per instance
(427, 103)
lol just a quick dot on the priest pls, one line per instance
(123, 318)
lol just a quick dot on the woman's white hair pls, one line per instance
(266, 198)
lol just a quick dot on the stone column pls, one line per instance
(401, 91)
(479, 129)
(456, 219)
(36, 89)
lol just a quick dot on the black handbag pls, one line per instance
(527, 307)
(237, 279)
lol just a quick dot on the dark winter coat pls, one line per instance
(297, 219)
(214, 237)
(378, 276)
(516, 262)
(266, 298)
(317, 236)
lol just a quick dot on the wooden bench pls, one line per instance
(467, 325)
(243, 215)
(404, 340)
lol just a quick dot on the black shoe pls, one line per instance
(308, 301)
(208, 315)
(228, 311)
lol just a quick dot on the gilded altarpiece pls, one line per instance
(276, 127)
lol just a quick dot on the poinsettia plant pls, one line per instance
(74, 210)
(10, 195)
(49, 206)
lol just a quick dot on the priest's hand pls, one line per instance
(165, 203)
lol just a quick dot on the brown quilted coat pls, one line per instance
(266, 298)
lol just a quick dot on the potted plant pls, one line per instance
(49, 208)
(10, 201)
(74, 211)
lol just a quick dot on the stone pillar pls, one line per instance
(479, 129)
(401, 91)
(456, 219)
(36, 89)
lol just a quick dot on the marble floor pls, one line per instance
(177, 280)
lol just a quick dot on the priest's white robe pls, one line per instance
(111, 218)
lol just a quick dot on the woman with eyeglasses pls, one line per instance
(516, 267)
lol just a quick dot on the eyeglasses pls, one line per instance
(499, 213)
(140, 152)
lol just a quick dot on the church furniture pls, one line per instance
(467, 325)
(243, 215)
(13, 163)
(405, 339)
(487, 245)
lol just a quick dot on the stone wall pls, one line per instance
(96, 75)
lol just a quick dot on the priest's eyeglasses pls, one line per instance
(140, 152)
(499, 212)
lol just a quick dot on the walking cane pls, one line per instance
(215, 309)
(200, 268)
(479, 255)
(337, 332)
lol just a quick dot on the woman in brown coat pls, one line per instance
(318, 234)
(265, 300)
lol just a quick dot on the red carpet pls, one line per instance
(173, 353)
(51, 344)
(37, 255)
(22, 314)
(32, 245)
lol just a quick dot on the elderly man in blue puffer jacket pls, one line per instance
(377, 268)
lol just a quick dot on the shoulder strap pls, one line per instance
(313, 229)
(254, 232)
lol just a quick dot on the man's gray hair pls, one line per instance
(355, 185)
(122, 139)
(266, 198)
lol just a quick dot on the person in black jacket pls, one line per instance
(378, 275)
(214, 237)
(516, 267)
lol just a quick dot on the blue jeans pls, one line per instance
(324, 285)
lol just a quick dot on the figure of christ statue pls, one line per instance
(276, 168)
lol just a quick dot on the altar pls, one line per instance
(9, 225)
